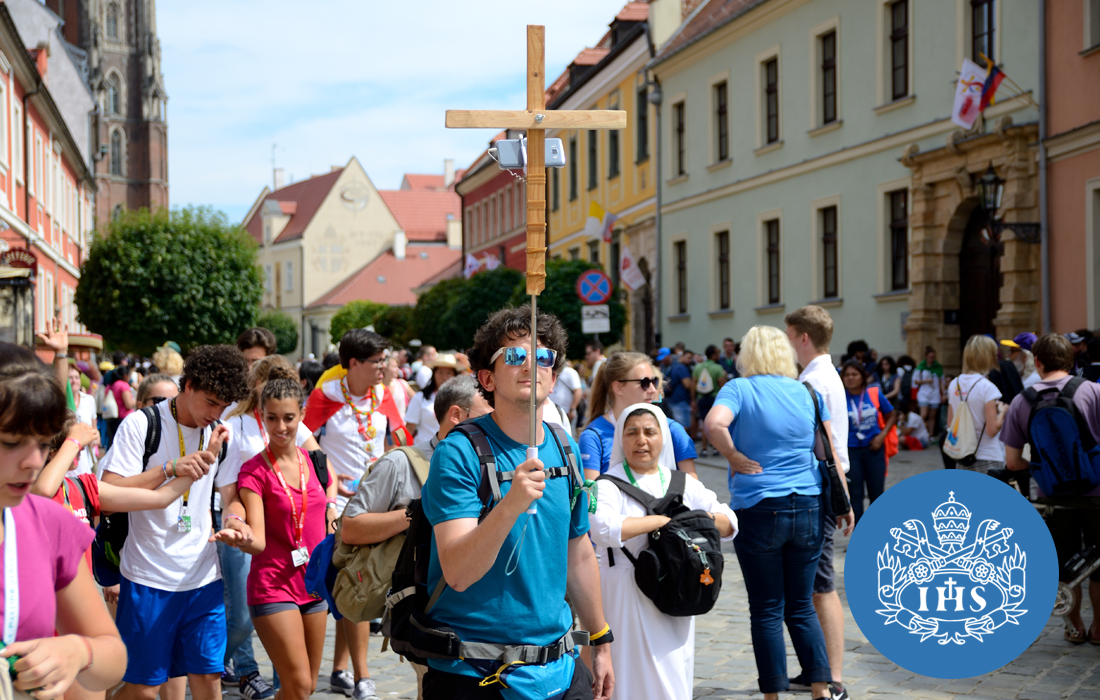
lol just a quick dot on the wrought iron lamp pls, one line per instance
(991, 189)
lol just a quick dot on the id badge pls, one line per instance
(184, 524)
(299, 556)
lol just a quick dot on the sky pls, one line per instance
(328, 79)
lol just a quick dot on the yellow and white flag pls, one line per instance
(599, 222)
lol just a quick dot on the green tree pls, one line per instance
(560, 299)
(186, 275)
(355, 314)
(284, 328)
(396, 323)
(431, 317)
(483, 294)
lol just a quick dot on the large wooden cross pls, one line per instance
(535, 120)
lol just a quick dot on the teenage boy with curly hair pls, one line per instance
(170, 609)
(507, 576)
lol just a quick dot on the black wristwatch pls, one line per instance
(605, 638)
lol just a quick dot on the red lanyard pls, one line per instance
(299, 522)
(263, 433)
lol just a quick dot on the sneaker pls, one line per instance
(839, 692)
(364, 690)
(254, 687)
(230, 682)
(342, 682)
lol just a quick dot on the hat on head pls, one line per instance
(1074, 339)
(447, 359)
(1025, 340)
(106, 366)
(662, 354)
(174, 345)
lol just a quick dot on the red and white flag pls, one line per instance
(472, 266)
(629, 273)
(968, 94)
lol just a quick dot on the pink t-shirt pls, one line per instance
(51, 544)
(273, 577)
(117, 388)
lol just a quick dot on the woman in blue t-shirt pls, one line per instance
(626, 378)
(865, 438)
(764, 423)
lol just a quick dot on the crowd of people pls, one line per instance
(238, 473)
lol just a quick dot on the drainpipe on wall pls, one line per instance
(655, 98)
(1044, 212)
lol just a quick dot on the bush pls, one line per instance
(284, 328)
(431, 317)
(355, 314)
(396, 323)
(483, 294)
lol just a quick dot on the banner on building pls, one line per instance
(968, 94)
(629, 273)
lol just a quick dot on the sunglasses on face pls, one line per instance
(645, 382)
(517, 357)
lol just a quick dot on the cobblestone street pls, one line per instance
(725, 666)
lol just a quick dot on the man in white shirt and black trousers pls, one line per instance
(810, 330)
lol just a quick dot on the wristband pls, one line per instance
(174, 467)
(164, 468)
(330, 501)
(61, 356)
(330, 504)
(604, 636)
(233, 517)
(78, 445)
(90, 656)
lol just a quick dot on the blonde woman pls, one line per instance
(169, 362)
(624, 379)
(983, 398)
(763, 423)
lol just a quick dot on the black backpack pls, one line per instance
(681, 571)
(906, 391)
(405, 621)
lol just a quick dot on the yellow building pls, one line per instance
(613, 169)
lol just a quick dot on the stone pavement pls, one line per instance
(725, 666)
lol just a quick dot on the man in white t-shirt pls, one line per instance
(567, 394)
(171, 612)
(423, 372)
(810, 330)
(356, 411)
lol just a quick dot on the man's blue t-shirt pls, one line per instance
(676, 391)
(863, 417)
(528, 606)
(773, 424)
(599, 436)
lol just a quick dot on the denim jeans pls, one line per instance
(681, 413)
(868, 468)
(778, 547)
(235, 565)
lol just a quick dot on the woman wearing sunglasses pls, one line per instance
(625, 379)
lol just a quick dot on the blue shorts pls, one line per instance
(169, 634)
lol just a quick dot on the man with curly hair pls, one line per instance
(171, 612)
(506, 576)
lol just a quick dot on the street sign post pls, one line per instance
(594, 287)
(596, 319)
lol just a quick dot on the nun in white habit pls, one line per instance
(653, 653)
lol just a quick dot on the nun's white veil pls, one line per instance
(667, 458)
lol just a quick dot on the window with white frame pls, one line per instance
(1092, 23)
(116, 152)
(38, 167)
(899, 49)
(113, 22)
(829, 253)
(772, 256)
(898, 209)
(114, 95)
(679, 255)
(721, 122)
(679, 155)
(827, 43)
(17, 140)
(3, 126)
(289, 276)
(982, 30)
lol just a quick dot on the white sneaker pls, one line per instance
(342, 682)
(364, 690)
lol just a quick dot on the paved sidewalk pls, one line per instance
(725, 666)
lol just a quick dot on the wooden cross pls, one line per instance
(535, 120)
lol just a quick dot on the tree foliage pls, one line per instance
(355, 314)
(284, 328)
(483, 294)
(186, 275)
(431, 316)
(396, 323)
(560, 299)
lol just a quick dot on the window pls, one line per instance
(1092, 23)
(721, 122)
(613, 166)
(594, 252)
(680, 248)
(981, 30)
(678, 140)
(574, 253)
(613, 258)
(267, 279)
(831, 288)
(114, 100)
(593, 170)
(112, 21)
(722, 244)
(3, 129)
(17, 142)
(290, 276)
(899, 240)
(828, 78)
(38, 164)
(116, 152)
(642, 126)
(899, 49)
(573, 169)
(555, 189)
(771, 100)
(772, 232)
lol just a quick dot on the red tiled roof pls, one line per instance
(421, 214)
(300, 200)
(388, 280)
(590, 57)
(709, 17)
(634, 12)
(558, 86)
(413, 181)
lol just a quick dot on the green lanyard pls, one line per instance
(660, 472)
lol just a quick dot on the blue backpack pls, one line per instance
(1065, 459)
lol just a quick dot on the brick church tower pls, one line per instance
(120, 38)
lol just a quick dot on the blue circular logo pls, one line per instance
(951, 574)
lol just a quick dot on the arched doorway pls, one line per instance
(979, 278)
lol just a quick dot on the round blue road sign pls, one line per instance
(594, 287)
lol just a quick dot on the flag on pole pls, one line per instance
(491, 262)
(471, 266)
(609, 220)
(989, 88)
(629, 273)
(599, 222)
(968, 94)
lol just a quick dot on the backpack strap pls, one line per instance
(491, 479)
(677, 483)
(320, 466)
(634, 492)
(418, 461)
(569, 458)
(1071, 387)
(152, 435)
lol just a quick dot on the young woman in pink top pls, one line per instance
(286, 510)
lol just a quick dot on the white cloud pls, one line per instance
(329, 79)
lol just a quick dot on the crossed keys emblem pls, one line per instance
(948, 589)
